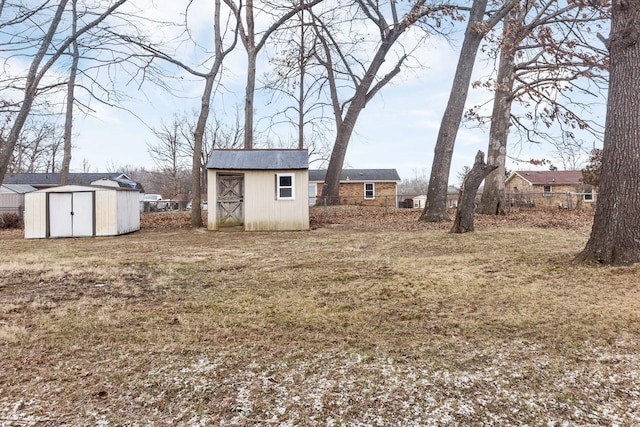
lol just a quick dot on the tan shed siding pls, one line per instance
(263, 212)
(35, 216)
(128, 211)
(117, 212)
(11, 202)
(106, 213)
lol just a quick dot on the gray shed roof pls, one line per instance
(258, 159)
(19, 188)
(317, 175)
(41, 180)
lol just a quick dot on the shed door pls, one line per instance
(82, 214)
(71, 214)
(230, 200)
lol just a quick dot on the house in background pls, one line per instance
(453, 192)
(48, 180)
(552, 187)
(81, 211)
(12, 198)
(367, 187)
(258, 190)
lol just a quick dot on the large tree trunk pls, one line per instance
(615, 236)
(436, 206)
(71, 87)
(331, 187)
(205, 106)
(493, 201)
(252, 53)
(466, 201)
(196, 166)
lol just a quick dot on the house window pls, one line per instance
(547, 189)
(588, 195)
(285, 186)
(369, 191)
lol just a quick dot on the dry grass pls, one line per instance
(369, 319)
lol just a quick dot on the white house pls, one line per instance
(258, 190)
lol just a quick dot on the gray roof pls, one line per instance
(19, 188)
(317, 175)
(258, 159)
(123, 183)
(52, 179)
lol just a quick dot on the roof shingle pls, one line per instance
(318, 175)
(551, 177)
(258, 159)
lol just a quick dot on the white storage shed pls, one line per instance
(258, 190)
(81, 211)
(12, 198)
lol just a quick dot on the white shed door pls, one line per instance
(82, 214)
(71, 214)
(60, 218)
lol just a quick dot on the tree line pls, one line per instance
(326, 61)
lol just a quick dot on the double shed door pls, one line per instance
(71, 214)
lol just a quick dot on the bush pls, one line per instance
(10, 220)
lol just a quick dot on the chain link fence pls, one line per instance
(549, 200)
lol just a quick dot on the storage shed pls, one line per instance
(81, 211)
(258, 190)
(12, 198)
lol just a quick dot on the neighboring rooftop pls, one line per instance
(318, 175)
(258, 159)
(45, 180)
(19, 188)
(551, 177)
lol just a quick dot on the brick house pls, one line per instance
(551, 188)
(365, 187)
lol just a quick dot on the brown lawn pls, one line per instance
(369, 319)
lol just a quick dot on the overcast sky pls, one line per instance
(398, 129)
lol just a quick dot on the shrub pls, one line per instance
(10, 220)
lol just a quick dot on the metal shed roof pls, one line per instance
(318, 175)
(258, 159)
(19, 188)
(52, 179)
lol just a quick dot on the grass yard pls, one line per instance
(366, 320)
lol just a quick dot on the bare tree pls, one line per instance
(210, 76)
(436, 206)
(45, 56)
(545, 52)
(615, 236)
(217, 135)
(170, 155)
(254, 42)
(37, 148)
(463, 221)
(71, 86)
(364, 77)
